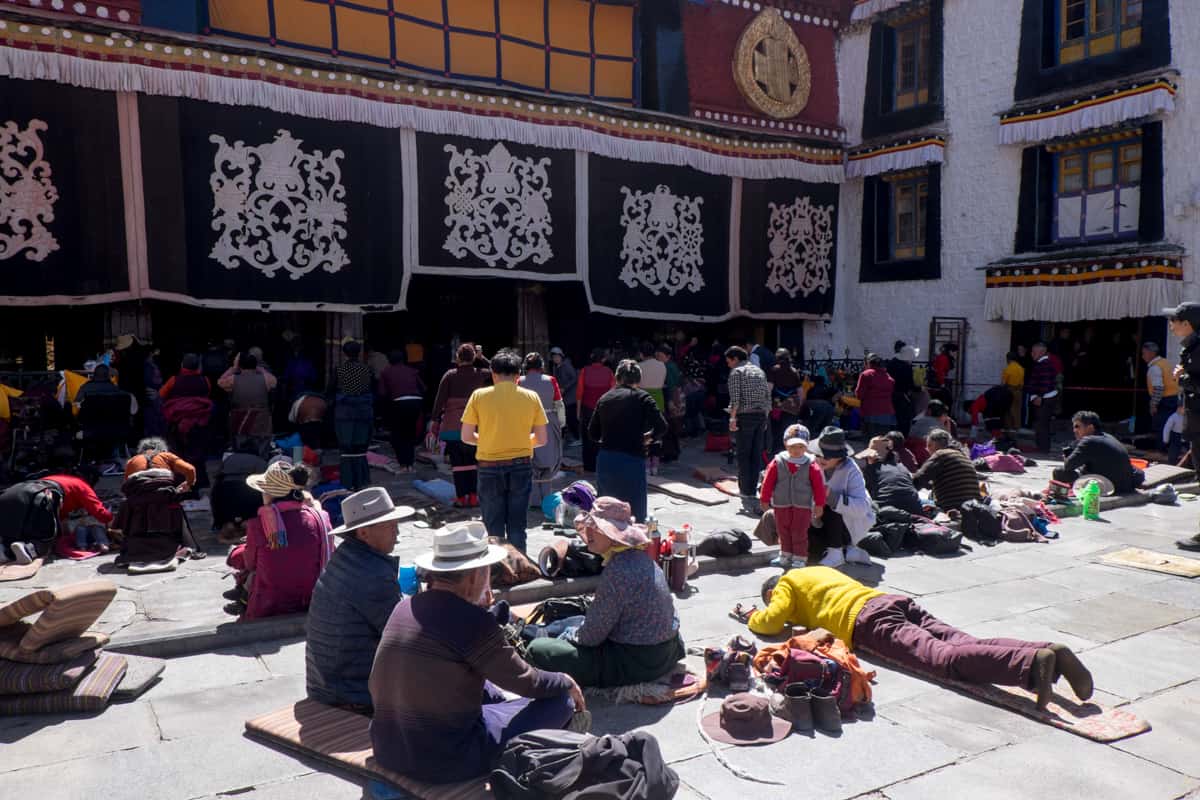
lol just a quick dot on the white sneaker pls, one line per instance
(24, 552)
(856, 555)
(833, 557)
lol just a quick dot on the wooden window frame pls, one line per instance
(917, 182)
(916, 94)
(1124, 31)
(1120, 149)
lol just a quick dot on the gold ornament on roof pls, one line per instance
(771, 67)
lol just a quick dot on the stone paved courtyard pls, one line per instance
(1138, 631)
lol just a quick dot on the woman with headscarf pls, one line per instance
(287, 545)
(630, 633)
(548, 458)
(454, 391)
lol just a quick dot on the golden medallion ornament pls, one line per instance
(771, 67)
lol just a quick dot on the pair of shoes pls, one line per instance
(833, 557)
(856, 555)
(235, 609)
(741, 644)
(235, 594)
(473, 500)
(24, 552)
(1068, 665)
(783, 560)
(794, 704)
(1191, 544)
(462, 502)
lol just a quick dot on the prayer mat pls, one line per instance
(90, 695)
(711, 474)
(142, 672)
(678, 687)
(19, 678)
(728, 486)
(1155, 562)
(1089, 720)
(19, 572)
(704, 495)
(343, 739)
(1158, 474)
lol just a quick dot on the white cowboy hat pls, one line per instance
(461, 548)
(368, 507)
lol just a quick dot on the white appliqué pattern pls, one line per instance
(276, 207)
(498, 207)
(27, 196)
(800, 238)
(663, 237)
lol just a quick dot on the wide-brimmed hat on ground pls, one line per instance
(795, 434)
(459, 548)
(614, 519)
(745, 719)
(369, 507)
(276, 480)
(831, 443)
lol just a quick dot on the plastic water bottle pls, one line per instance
(1090, 499)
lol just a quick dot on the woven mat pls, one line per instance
(1089, 720)
(1158, 474)
(1153, 561)
(19, 572)
(655, 693)
(703, 494)
(343, 739)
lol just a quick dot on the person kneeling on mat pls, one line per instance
(631, 632)
(440, 716)
(896, 628)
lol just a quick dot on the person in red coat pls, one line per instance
(874, 391)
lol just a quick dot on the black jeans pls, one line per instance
(751, 438)
(402, 420)
(462, 464)
(1042, 415)
(590, 446)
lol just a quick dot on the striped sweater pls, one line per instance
(952, 477)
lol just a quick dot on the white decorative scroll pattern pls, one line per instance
(498, 207)
(27, 196)
(800, 238)
(276, 207)
(663, 237)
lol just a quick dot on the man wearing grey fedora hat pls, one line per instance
(440, 715)
(352, 601)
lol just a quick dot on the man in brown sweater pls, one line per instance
(948, 472)
(439, 714)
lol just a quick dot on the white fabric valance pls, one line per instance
(1102, 111)
(1116, 300)
(909, 155)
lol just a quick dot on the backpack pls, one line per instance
(817, 673)
(981, 522)
(933, 539)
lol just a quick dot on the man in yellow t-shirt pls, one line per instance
(896, 628)
(505, 423)
(1014, 378)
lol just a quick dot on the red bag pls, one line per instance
(717, 443)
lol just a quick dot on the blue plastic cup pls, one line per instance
(409, 585)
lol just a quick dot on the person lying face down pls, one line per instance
(631, 632)
(440, 716)
(896, 628)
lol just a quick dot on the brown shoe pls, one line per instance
(1043, 677)
(1067, 664)
(231, 533)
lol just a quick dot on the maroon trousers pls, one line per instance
(898, 629)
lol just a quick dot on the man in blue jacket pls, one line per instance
(352, 601)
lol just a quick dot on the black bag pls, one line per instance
(557, 608)
(30, 513)
(935, 540)
(980, 522)
(875, 544)
(725, 544)
(580, 561)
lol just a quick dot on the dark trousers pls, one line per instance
(573, 419)
(1166, 407)
(623, 476)
(900, 630)
(1042, 415)
(693, 418)
(502, 721)
(192, 447)
(609, 664)
(902, 402)
(1191, 435)
(462, 467)
(751, 438)
(590, 446)
(832, 533)
(402, 420)
(504, 501)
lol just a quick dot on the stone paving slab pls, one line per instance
(962, 723)
(1111, 617)
(1176, 730)
(1145, 664)
(313, 786)
(39, 740)
(996, 600)
(1058, 765)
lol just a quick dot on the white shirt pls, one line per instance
(1174, 425)
(654, 374)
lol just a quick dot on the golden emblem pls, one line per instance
(771, 67)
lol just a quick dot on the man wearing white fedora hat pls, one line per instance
(353, 600)
(439, 713)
